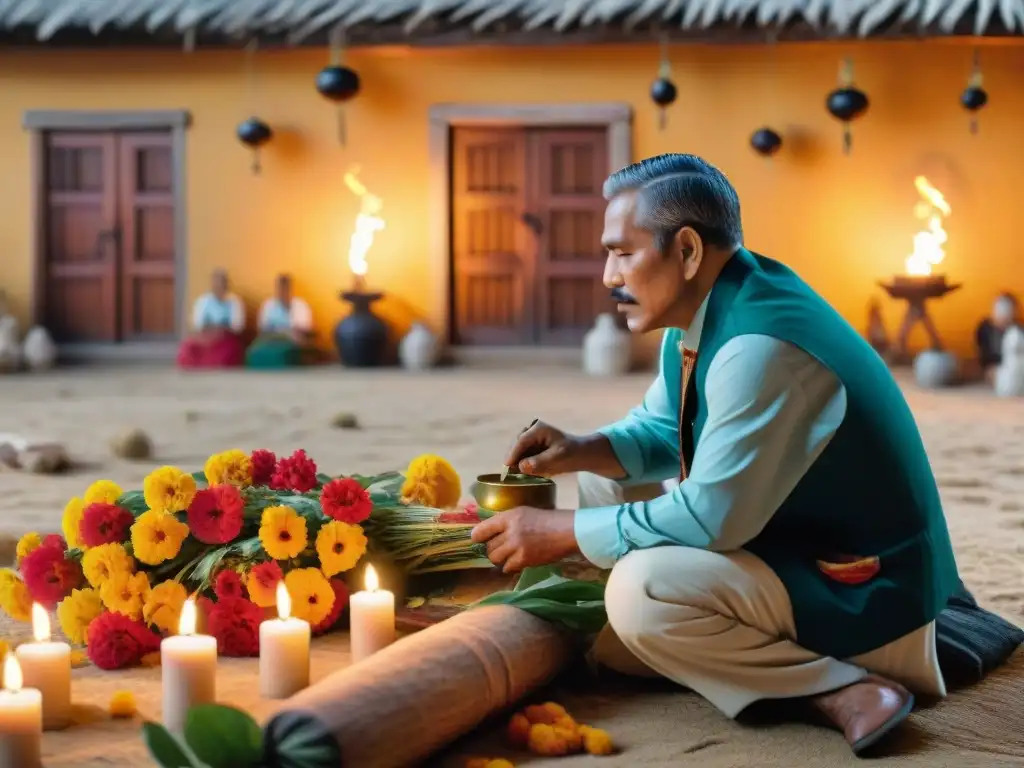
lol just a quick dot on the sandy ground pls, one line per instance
(976, 444)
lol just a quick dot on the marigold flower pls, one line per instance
(104, 523)
(282, 532)
(14, 596)
(263, 464)
(489, 762)
(49, 575)
(157, 537)
(518, 730)
(596, 741)
(228, 584)
(553, 741)
(76, 612)
(215, 514)
(103, 562)
(346, 500)
(162, 607)
(122, 704)
(549, 712)
(115, 641)
(233, 467)
(102, 492)
(79, 658)
(261, 583)
(126, 593)
(339, 546)
(340, 601)
(168, 489)
(71, 522)
(311, 593)
(432, 482)
(295, 473)
(235, 622)
(26, 544)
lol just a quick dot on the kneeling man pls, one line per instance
(804, 552)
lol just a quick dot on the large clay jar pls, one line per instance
(936, 368)
(607, 349)
(39, 350)
(419, 348)
(1009, 380)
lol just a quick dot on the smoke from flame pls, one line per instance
(368, 223)
(932, 209)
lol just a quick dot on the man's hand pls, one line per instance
(547, 451)
(525, 537)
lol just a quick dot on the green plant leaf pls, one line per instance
(531, 576)
(200, 477)
(575, 604)
(165, 747)
(297, 739)
(224, 737)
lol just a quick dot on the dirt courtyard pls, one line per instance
(468, 415)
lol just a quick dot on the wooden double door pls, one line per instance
(527, 215)
(107, 236)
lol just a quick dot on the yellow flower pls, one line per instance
(168, 489)
(432, 482)
(79, 658)
(102, 492)
(232, 467)
(27, 543)
(311, 593)
(76, 611)
(157, 537)
(104, 562)
(71, 522)
(5, 648)
(14, 597)
(282, 532)
(163, 606)
(126, 593)
(339, 546)
(122, 704)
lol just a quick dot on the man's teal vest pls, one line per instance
(870, 493)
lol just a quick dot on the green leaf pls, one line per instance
(535, 575)
(573, 603)
(165, 747)
(134, 502)
(224, 737)
(200, 477)
(297, 739)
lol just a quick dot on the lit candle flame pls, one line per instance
(40, 623)
(284, 601)
(929, 242)
(368, 223)
(372, 584)
(13, 679)
(187, 622)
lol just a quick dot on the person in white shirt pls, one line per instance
(286, 329)
(218, 322)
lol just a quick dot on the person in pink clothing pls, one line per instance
(218, 321)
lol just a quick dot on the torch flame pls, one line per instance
(932, 208)
(368, 223)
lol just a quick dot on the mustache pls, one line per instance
(622, 296)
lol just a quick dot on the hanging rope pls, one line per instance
(250, 92)
(975, 82)
(664, 73)
(337, 47)
(846, 81)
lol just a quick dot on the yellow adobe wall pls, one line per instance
(842, 222)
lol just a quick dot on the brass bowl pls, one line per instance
(516, 490)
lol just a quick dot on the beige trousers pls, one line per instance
(722, 625)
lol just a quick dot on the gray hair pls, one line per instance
(676, 191)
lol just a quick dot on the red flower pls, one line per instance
(215, 514)
(104, 524)
(262, 583)
(340, 601)
(263, 465)
(228, 584)
(295, 473)
(55, 540)
(49, 576)
(470, 513)
(235, 622)
(115, 641)
(346, 500)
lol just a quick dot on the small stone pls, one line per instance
(191, 416)
(134, 445)
(345, 421)
(8, 548)
(44, 460)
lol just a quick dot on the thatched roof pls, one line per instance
(369, 21)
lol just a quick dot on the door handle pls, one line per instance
(534, 222)
(111, 235)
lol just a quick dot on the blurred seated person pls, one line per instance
(990, 332)
(218, 320)
(285, 328)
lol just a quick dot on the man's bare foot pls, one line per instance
(866, 711)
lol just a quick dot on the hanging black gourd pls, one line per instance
(663, 90)
(974, 96)
(337, 82)
(847, 103)
(766, 142)
(254, 133)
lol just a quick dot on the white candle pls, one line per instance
(21, 720)
(189, 669)
(371, 618)
(46, 666)
(284, 651)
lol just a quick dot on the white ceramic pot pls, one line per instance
(934, 369)
(39, 350)
(10, 349)
(1009, 380)
(607, 349)
(419, 349)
